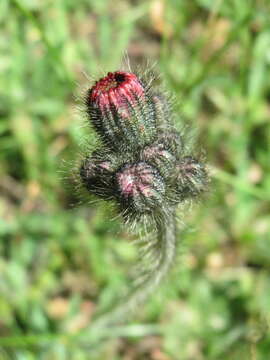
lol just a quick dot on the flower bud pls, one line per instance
(191, 178)
(172, 141)
(141, 188)
(97, 177)
(121, 111)
(160, 157)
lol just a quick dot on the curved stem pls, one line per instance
(166, 245)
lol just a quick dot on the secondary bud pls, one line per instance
(97, 177)
(192, 177)
(141, 188)
(172, 141)
(121, 111)
(160, 156)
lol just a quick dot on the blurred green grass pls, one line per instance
(58, 262)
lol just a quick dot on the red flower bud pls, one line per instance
(122, 111)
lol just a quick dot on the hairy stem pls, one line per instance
(166, 249)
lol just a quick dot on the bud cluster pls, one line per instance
(141, 162)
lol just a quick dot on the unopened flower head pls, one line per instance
(121, 112)
(140, 187)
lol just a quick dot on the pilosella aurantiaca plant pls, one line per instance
(143, 165)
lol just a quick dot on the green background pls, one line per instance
(62, 257)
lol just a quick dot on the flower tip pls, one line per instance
(114, 89)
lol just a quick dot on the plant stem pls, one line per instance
(166, 246)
